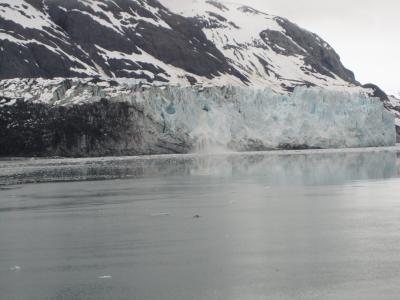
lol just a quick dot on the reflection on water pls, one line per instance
(298, 168)
(296, 225)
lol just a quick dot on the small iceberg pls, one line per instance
(15, 268)
(160, 214)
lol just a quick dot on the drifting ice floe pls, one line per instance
(15, 268)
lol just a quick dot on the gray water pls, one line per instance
(289, 225)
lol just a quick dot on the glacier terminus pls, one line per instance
(89, 118)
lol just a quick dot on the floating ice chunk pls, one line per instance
(15, 268)
(105, 277)
(160, 214)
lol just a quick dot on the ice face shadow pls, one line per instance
(274, 169)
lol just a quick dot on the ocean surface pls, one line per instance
(315, 224)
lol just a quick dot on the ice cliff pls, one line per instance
(75, 118)
(238, 118)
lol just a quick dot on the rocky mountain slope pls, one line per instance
(170, 41)
(393, 105)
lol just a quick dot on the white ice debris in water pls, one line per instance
(160, 214)
(248, 119)
(105, 277)
(15, 268)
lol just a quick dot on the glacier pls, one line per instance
(100, 118)
(241, 119)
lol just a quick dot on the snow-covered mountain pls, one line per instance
(101, 54)
(171, 41)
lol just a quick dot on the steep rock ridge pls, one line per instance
(168, 41)
(318, 54)
(267, 49)
(120, 38)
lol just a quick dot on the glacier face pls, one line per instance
(94, 118)
(236, 118)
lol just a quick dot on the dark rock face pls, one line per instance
(281, 43)
(398, 134)
(97, 129)
(76, 31)
(376, 91)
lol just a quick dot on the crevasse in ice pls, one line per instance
(239, 118)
